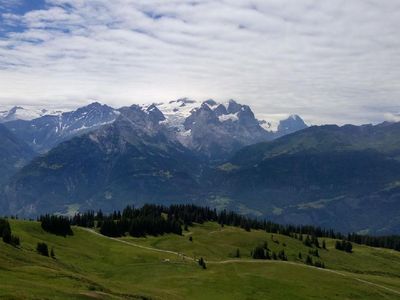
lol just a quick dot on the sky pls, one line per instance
(335, 61)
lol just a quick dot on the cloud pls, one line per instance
(392, 117)
(329, 61)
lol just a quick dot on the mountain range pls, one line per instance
(185, 151)
(21, 113)
(343, 177)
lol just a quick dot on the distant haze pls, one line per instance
(328, 61)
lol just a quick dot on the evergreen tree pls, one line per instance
(319, 264)
(52, 254)
(344, 246)
(4, 227)
(202, 263)
(348, 247)
(7, 235)
(265, 245)
(323, 244)
(314, 252)
(258, 253)
(15, 241)
(314, 241)
(309, 260)
(282, 255)
(237, 255)
(308, 241)
(58, 225)
(42, 249)
(158, 219)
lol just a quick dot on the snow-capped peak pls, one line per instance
(25, 113)
(176, 111)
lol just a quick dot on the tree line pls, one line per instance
(152, 219)
(390, 241)
(58, 225)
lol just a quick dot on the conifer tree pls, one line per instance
(309, 260)
(42, 249)
(237, 255)
(202, 263)
(7, 235)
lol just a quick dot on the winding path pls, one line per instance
(229, 261)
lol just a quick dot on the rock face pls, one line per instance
(290, 125)
(45, 132)
(216, 131)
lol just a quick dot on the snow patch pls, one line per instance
(231, 117)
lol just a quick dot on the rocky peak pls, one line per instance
(155, 114)
(292, 124)
(233, 107)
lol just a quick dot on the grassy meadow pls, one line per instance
(90, 266)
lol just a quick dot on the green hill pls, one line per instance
(89, 265)
(345, 178)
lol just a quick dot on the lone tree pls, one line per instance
(42, 249)
(237, 254)
(202, 263)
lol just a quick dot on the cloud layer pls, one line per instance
(329, 61)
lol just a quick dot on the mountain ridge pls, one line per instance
(344, 177)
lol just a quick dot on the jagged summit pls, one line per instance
(212, 128)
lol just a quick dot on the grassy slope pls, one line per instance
(89, 266)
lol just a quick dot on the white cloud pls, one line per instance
(329, 61)
(392, 117)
